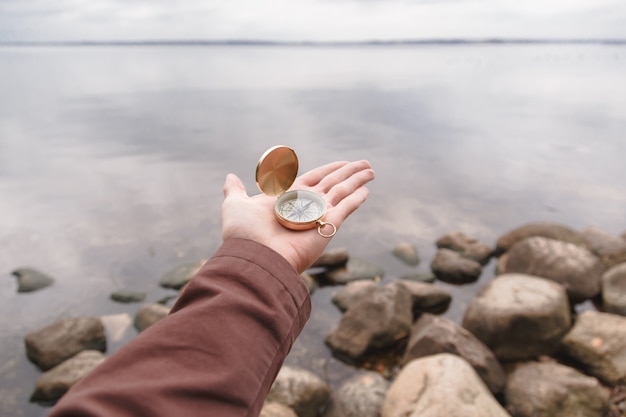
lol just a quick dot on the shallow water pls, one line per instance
(112, 160)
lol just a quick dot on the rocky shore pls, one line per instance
(545, 337)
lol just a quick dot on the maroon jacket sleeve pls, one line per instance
(217, 352)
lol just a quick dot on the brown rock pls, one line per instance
(467, 246)
(549, 230)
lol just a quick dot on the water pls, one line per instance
(112, 160)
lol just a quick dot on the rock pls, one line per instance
(426, 297)
(381, 319)
(360, 396)
(332, 258)
(614, 290)
(352, 292)
(355, 269)
(53, 384)
(598, 341)
(127, 296)
(519, 316)
(575, 267)
(178, 277)
(440, 385)
(610, 248)
(276, 410)
(432, 334)
(61, 340)
(116, 326)
(29, 279)
(466, 246)
(407, 253)
(420, 276)
(149, 314)
(450, 266)
(300, 390)
(549, 389)
(309, 281)
(548, 230)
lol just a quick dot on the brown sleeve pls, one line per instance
(218, 351)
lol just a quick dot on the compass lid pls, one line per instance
(277, 170)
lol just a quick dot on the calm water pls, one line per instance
(112, 160)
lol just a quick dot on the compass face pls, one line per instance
(300, 209)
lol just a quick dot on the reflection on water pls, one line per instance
(112, 159)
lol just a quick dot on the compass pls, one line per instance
(297, 209)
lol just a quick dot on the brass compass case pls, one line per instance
(298, 209)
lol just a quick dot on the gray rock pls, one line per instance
(549, 230)
(178, 277)
(614, 290)
(549, 389)
(450, 266)
(59, 341)
(575, 267)
(519, 316)
(276, 410)
(352, 292)
(309, 281)
(420, 276)
(360, 396)
(610, 248)
(355, 269)
(467, 246)
(407, 253)
(598, 341)
(29, 279)
(440, 385)
(432, 334)
(128, 296)
(426, 297)
(332, 258)
(300, 390)
(380, 320)
(53, 384)
(149, 314)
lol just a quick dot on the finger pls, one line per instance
(342, 174)
(345, 188)
(347, 206)
(313, 177)
(234, 187)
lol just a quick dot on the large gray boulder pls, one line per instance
(610, 248)
(53, 384)
(440, 385)
(360, 396)
(544, 229)
(573, 266)
(432, 334)
(467, 246)
(614, 290)
(548, 389)
(351, 293)
(598, 341)
(380, 320)
(300, 390)
(53, 344)
(519, 316)
(452, 267)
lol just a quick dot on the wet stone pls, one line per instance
(450, 266)
(355, 269)
(150, 314)
(407, 253)
(332, 258)
(467, 246)
(181, 275)
(420, 276)
(29, 279)
(127, 296)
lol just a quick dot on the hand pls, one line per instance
(341, 184)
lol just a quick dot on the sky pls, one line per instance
(308, 20)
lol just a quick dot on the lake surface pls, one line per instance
(112, 161)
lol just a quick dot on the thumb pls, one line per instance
(234, 187)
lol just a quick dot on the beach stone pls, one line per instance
(29, 279)
(352, 292)
(407, 253)
(271, 409)
(149, 314)
(432, 334)
(440, 385)
(610, 248)
(381, 319)
(420, 276)
(547, 389)
(554, 231)
(575, 267)
(59, 341)
(519, 316)
(309, 281)
(360, 396)
(178, 277)
(53, 384)
(128, 296)
(450, 266)
(598, 341)
(614, 290)
(332, 258)
(467, 246)
(426, 297)
(355, 269)
(300, 390)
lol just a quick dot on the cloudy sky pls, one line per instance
(317, 20)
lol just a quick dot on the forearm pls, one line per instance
(218, 351)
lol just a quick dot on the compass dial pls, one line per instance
(300, 209)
